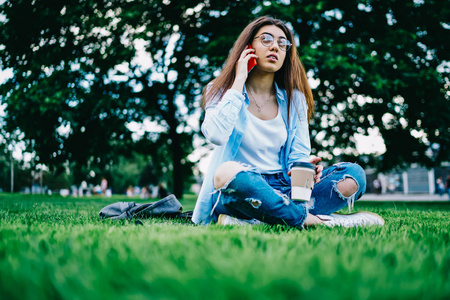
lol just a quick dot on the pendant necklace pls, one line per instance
(257, 105)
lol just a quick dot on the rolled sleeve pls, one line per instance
(221, 118)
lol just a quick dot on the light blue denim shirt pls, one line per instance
(224, 125)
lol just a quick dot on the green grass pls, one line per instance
(58, 248)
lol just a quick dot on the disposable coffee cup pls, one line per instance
(302, 180)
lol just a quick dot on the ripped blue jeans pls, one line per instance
(266, 197)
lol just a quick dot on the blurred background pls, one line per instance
(103, 97)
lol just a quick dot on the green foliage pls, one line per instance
(75, 70)
(22, 174)
(61, 80)
(56, 181)
(55, 247)
(390, 52)
(5, 167)
(127, 172)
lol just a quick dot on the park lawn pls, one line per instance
(58, 248)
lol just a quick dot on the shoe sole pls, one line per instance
(366, 212)
(221, 220)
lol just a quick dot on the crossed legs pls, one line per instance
(230, 169)
(347, 187)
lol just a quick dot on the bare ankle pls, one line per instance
(312, 220)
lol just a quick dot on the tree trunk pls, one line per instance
(12, 173)
(177, 172)
(177, 175)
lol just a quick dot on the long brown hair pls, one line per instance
(291, 76)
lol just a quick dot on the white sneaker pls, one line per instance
(229, 220)
(363, 218)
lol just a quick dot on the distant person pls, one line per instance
(83, 189)
(447, 186)
(162, 192)
(377, 186)
(104, 185)
(391, 185)
(136, 190)
(97, 190)
(145, 192)
(130, 191)
(383, 181)
(440, 186)
(74, 190)
(257, 113)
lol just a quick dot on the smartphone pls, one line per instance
(251, 62)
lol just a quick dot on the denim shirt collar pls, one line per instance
(244, 92)
(279, 93)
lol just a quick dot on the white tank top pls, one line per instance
(262, 142)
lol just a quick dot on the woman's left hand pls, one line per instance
(319, 168)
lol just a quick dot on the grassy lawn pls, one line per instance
(57, 248)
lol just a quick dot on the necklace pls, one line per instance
(264, 103)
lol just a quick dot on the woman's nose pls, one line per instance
(275, 46)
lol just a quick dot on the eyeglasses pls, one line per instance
(267, 40)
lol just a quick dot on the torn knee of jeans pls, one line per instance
(246, 168)
(335, 183)
(310, 204)
(284, 196)
(229, 191)
(254, 202)
(350, 199)
(224, 190)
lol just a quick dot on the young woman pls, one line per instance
(258, 121)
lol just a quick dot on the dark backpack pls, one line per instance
(167, 207)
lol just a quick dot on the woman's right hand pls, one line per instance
(241, 68)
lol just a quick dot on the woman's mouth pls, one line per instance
(272, 57)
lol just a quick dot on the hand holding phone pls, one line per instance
(251, 62)
(241, 76)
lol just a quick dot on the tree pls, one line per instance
(167, 91)
(393, 55)
(61, 96)
(76, 83)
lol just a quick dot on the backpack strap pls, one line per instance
(166, 206)
(118, 210)
(169, 206)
